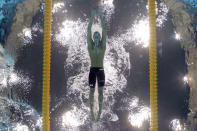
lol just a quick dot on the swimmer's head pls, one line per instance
(96, 37)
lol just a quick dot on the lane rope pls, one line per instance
(46, 66)
(153, 66)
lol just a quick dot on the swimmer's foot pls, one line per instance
(98, 119)
(99, 116)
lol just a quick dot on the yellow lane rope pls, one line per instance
(46, 66)
(153, 66)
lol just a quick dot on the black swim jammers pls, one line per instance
(96, 72)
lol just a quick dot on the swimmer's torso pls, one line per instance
(97, 55)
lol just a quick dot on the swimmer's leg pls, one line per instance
(91, 98)
(92, 82)
(101, 84)
(100, 99)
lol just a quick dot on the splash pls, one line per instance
(13, 114)
(14, 78)
(74, 118)
(26, 35)
(20, 127)
(176, 125)
(161, 13)
(57, 6)
(139, 31)
(138, 113)
(108, 8)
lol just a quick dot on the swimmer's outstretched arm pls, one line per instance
(89, 38)
(103, 29)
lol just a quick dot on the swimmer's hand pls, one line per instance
(99, 13)
(98, 119)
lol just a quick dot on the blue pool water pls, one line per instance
(7, 12)
(192, 3)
